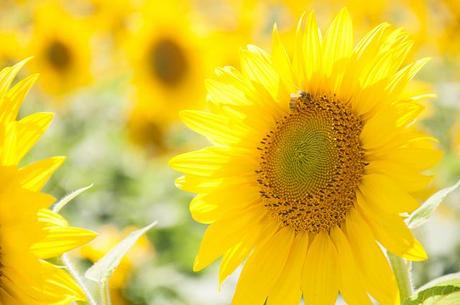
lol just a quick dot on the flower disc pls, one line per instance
(311, 164)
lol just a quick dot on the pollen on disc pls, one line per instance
(311, 164)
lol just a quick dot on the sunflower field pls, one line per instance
(229, 152)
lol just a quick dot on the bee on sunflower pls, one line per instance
(62, 53)
(315, 159)
(30, 233)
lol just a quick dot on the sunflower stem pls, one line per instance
(74, 273)
(402, 270)
(105, 293)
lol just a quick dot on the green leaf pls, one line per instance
(441, 291)
(69, 197)
(425, 211)
(440, 295)
(452, 279)
(101, 271)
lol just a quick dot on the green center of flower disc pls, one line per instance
(311, 164)
(168, 62)
(59, 55)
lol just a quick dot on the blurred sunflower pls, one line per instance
(412, 14)
(448, 36)
(310, 171)
(455, 137)
(232, 24)
(12, 48)
(62, 53)
(112, 15)
(29, 231)
(109, 237)
(169, 63)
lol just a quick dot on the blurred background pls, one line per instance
(116, 73)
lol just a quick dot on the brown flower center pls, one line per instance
(311, 164)
(59, 56)
(168, 62)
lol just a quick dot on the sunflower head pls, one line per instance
(29, 231)
(13, 48)
(315, 157)
(168, 58)
(165, 55)
(62, 53)
(311, 163)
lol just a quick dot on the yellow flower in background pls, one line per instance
(112, 15)
(233, 23)
(412, 14)
(455, 137)
(109, 237)
(61, 46)
(448, 38)
(29, 232)
(12, 49)
(169, 63)
(315, 157)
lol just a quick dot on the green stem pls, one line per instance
(74, 273)
(402, 271)
(105, 293)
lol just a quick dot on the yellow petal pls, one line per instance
(58, 284)
(208, 208)
(234, 256)
(382, 192)
(373, 135)
(263, 269)
(59, 237)
(29, 131)
(399, 82)
(320, 272)
(379, 278)
(212, 161)
(34, 176)
(7, 75)
(338, 42)
(225, 233)
(288, 288)
(281, 61)
(257, 65)
(391, 231)
(416, 155)
(226, 94)
(409, 179)
(13, 100)
(218, 128)
(351, 282)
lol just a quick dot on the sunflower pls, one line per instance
(313, 164)
(29, 232)
(62, 53)
(412, 14)
(112, 16)
(447, 37)
(12, 49)
(168, 61)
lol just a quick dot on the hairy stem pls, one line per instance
(105, 293)
(402, 271)
(74, 273)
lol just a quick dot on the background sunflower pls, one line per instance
(62, 53)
